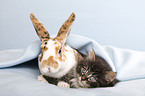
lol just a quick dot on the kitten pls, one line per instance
(91, 72)
(95, 73)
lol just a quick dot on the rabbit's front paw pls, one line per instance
(41, 78)
(63, 84)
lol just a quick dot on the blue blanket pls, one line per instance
(16, 80)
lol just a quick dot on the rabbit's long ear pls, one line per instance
(39, 27)
(65, 29)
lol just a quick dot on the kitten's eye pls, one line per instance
(92, 79)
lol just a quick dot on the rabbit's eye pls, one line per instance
(59, 50)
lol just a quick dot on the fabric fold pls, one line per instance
(127, 63)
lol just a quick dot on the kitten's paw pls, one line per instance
(63, 84)
(41, 78)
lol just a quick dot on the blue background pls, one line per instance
(120, 23)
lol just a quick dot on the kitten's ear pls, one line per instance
(91, 55)
(109, 76)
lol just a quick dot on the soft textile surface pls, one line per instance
(21, 80)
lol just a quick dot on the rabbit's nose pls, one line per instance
(45, 70)
(49, 65)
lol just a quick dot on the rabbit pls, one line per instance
(57, 58)
(62, 65)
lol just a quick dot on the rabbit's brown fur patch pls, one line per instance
(40, 57)
(50, 62)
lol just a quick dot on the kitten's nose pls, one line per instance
(83, 77)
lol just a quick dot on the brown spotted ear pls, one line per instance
(91, 55)
(65, 29)
(109, 76)
(39, 27)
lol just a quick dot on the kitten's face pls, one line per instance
(91, 75)
(87, 78)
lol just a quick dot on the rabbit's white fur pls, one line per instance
(57, 58)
